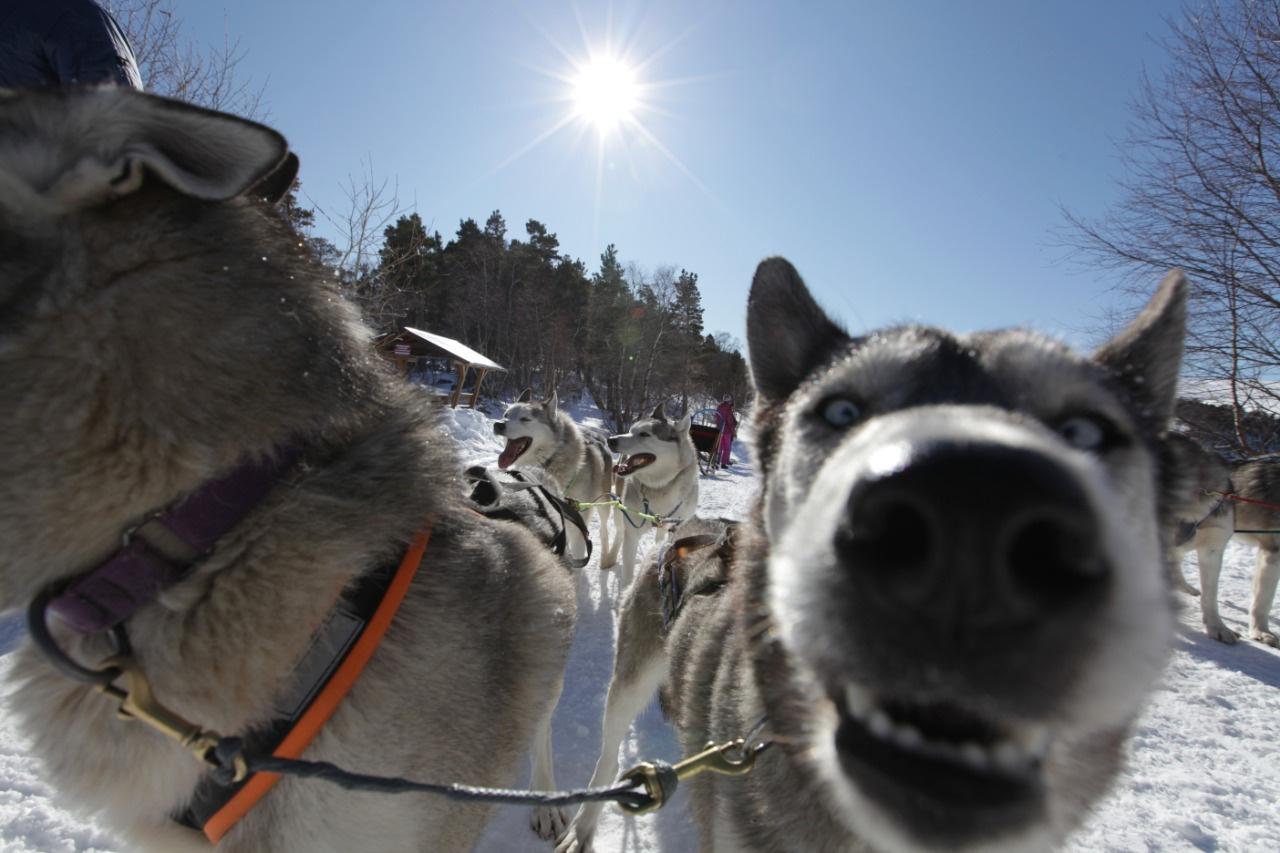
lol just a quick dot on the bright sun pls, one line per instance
(604, 93)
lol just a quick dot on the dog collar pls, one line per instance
(163, 550)
(337, 654)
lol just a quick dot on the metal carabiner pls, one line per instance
(139, 703)
(728, 759)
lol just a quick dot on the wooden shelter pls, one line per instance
(408, 345)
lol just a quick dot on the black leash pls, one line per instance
(229, 749)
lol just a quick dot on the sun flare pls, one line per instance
(605, 93)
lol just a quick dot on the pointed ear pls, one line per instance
(553, 403)
(659, 413)
(276, 185)
(87, 146)
(685, 422)
(525, 396)
(1146, 356)
(788, 335)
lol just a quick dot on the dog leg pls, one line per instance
(609, 555)
(1179, 580)
(630, 543)
(1265, 577)
(603, 514)
(1209, 557)
(637, 671)
(548, 821)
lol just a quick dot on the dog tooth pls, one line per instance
(880, 724)
(1008, 757)
(859, 701)
(974, 755)
(1034, 740)
(908, 737)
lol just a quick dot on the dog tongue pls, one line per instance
(510, 453)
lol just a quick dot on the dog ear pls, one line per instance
(123, 136)
(525, 396)
(788, 334)
(552, 403)
(276, 185)
(1147, 354)
(685, 422)
(659, 413)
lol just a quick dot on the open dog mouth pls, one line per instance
(901, 752)
(629, 464)
(510, 453)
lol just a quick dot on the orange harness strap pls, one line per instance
(327, 701)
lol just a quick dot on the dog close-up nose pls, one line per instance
(998, 531)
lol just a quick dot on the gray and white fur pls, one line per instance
(160, 325)
(541, 434)
(1219, 501)
(949, 602)
(658, 470)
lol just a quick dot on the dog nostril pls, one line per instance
(883, 532)
(1055, 554)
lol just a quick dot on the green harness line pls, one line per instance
(627, 511)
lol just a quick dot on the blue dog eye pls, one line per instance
(841, 413)
(1083, 432)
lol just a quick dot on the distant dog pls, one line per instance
(214, 400)
(532, 497)
(658, 467)
(543, 435)
(1221, 501)
(949, 603)
(676, 593)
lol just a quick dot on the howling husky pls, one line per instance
(659, 468)
(540, 434)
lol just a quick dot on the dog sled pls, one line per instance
(706, 430)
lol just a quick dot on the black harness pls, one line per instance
(671, 592)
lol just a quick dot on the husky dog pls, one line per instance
(677, 592)
(659, 466)
(200, 345)
(949, 602)
(1222, 500)
(531, 496)
(541, 434)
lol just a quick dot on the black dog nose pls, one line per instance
(990, 528)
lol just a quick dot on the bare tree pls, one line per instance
(176, 66)
(1202, 192)
(372, 205)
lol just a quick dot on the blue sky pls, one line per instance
(909, 158)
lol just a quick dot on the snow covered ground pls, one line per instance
(1204, 771)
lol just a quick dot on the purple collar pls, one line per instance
(106, 596)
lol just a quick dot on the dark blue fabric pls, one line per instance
(62, 43)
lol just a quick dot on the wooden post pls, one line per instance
(475, 393)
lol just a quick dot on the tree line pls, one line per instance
(628, 337)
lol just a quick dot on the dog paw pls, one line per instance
(1221, 633)
(1265, 637)
(549, 822)
(571, 842)
(1184, 587)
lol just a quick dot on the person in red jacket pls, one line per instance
(729, 428)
